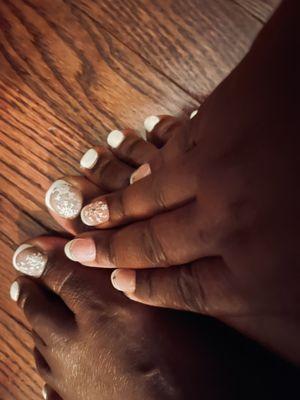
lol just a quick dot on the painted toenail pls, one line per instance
(151, 122)
(14, 291)
(29, 260)
(115, 138)
(64, 199)
(143, 171)
(89, 159)
(81, 250)
(45, 393)
(124, 280)
(95, 213)
(193, 114)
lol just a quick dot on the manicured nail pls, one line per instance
(124, 280)
(115, 138)
(89, 159)
(45, 393)
(64, 199)
(81, 250)
(95, 213)
(14, 291)
(151, 122)
(143, 171)
(193, 114)
(29, 260)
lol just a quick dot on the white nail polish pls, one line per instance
(193, 114)
(14, 291)
(89, 159)
(115, 138)
(29, 260)
(95, 213)
(64, 199)
(67, 250)
(44, 393)
(151, 122)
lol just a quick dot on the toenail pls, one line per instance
(124, 280)
(44, 393)
(14, 291)
(81, 250)
(89, 159)
(115, 138)
(95, 213)
(29, 260)
(193, 114)
(143, 171)
(151, 122)
(64, 199)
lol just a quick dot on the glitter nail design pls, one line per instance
(64, 199)
(29, 260)
(95, 213)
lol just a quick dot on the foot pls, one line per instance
(92, 343)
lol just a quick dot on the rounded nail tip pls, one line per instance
(14, 291)
(68, 252)
(115, 138)
(151, 122)
(21, 248)
(85, 220)
(193, 114)
(37, 266)
(89, 159)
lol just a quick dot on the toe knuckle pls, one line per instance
(152, 246)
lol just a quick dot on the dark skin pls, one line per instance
(221, 204)
(92, 343)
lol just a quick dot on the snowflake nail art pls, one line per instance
(29, 260)
(95, 213)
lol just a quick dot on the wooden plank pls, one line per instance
(261, 9)
(194, 42)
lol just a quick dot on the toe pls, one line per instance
(104, 169)
(130, 147)
(48, 316)
(161, 128)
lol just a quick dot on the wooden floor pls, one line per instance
(71, 71)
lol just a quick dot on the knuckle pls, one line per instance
(191, 290)
(158, 193)
(153, 249)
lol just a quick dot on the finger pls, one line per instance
(65, 198)
(200, 287)
(172, 238)
(105, 170)
(49, 394)
(130, 147)
(161, 128)
(43, 312)
(170, 187)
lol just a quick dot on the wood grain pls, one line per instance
(261, 10)
(72, 70)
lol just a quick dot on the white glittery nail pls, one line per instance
(14, 291)
(115, 138)
(29, 260)
(89, 159)
(95, 213)
(151, 122)
(64, 199)
(193, 114)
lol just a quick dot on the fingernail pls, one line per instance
(14, 291)
(29, 260)
(193, 114)
(143, 171)
(64, 199)
(44, 393)
(81, 250)
(151, 122)
(115, 138)
(89, 159)
(124, 280)
(95, 213)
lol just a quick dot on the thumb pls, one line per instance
(197, 287)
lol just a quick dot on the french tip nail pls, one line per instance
(140, 173)
(29, 260)
(89, 159)
(151, 122)
(124, 280)
(115, 138)
(95, 213)
(67, 250)
(14, 291)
